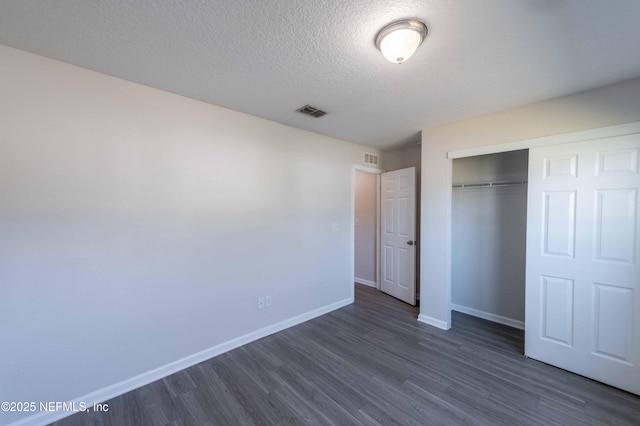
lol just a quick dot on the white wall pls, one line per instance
(607, 106)
(402, 159)
(488, 239)
(506, 166)
(138, 227)
(365, 228)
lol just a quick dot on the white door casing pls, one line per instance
(398, 234)
(583, 273)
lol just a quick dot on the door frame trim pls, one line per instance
(372, 170)
(583, 135)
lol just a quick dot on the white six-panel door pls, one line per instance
(398, 234)
(583, 274)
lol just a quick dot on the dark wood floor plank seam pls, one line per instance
(373, 363)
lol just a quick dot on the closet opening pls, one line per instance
(488, 237)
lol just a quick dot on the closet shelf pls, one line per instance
(488, 184)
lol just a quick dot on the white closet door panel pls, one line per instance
(583, 267)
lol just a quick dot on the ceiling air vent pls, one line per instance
(312, 111)
(370, 159)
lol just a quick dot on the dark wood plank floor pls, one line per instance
(373, 363)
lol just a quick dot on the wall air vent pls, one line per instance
(312, 111)
(370, 159)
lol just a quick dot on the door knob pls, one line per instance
(410, 242)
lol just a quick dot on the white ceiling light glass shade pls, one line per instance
(399, 40)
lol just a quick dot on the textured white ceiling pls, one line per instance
(268, 57)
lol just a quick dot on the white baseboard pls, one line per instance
(117, 389)
(488, 316)
(365, 282)
(434, 322)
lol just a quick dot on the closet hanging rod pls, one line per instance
(488, 184)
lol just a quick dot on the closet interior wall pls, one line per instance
(489, 208)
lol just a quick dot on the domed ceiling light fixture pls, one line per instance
(399, 40)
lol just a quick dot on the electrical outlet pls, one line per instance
(267, 301)
(260, 302)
